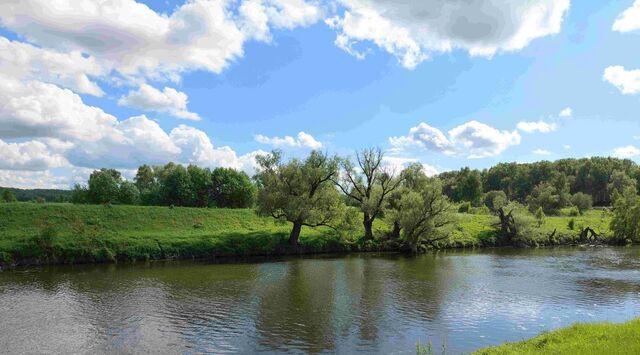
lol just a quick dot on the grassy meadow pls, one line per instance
(45, 233)
(598, 338)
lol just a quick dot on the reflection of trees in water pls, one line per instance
(296, 311)
(147, 307)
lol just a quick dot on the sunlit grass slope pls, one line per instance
(584, 339)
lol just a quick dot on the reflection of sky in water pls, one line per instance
(380, 304)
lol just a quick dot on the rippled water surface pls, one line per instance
(368, 303)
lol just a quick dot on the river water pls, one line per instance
(367, 303)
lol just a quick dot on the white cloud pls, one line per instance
(397, 164)
(169, 100)
(71, 70)
(566, 112)
(473, 138)
(566, 146)
(31, 155)
(424, 136)
(629, 20)
(541, 152)
(33, 179)
(627, 81)
(629, 151)
(540, 126)
(303, 140)
(480, 140)
(65, 128)
(413, 30)
(129, 35)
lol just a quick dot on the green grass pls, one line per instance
(51, 233)
(33, 233)
(599, 338)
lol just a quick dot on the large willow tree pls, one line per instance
(299, 191)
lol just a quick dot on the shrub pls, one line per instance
(581, 201)
(573, 211)
(571, 224)
(464, 207)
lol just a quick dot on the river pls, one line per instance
(364, 302)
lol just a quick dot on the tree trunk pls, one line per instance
(368, 227)
(395, 233)
(295, 233)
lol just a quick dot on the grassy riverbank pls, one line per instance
(32, 233)
(599, 338)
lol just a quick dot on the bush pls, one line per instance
(573, 212)
(571, 224)
(582, 201)
(494, 200)
(464, 207)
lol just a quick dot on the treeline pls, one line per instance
(557, 181)
(169, 185)
(10, 194)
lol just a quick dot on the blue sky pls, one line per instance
(236, 89)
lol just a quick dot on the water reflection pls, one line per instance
(371, 303)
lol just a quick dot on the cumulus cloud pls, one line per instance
(303, 140)
(169, 100)
(258, 15)
(130, 36)
(397, 164)
(627, 81)
(629, 19)
(540, 126)
(566, 112)
(473, 138)
(31, 155)
(413, 30)
(629, 151)
(63, 128)
(70, 70)
(33, 179)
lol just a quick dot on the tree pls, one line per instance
(7, 196)
(368, 186)
(422, 213)
(299, 192)
(104, 186)
(468, 187)
(128, 194)
(582, 201)
(494, 200)
(546, 196)
(145, 178)
(619, 182)
(176, 187)
(79, 194)
(201, 184)
(625, 223)
(540, 216)
(231, 188)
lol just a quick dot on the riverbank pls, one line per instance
(62, 233)
(598, 338)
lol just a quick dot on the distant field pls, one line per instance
(599, 338)
(33, 233)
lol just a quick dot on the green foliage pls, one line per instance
(540, 216)
(300, 192)
(8, 196)
(547, 197)
(582, 201)
(32, 194)
(571, 224)
(176, 187)
(573, 211)
(201, 184)
(626, 216)
(598, 338)
(495, 200)
(464, 207)
(468, 187)
(231, 188)
(368, 186)
(423, 213)
(104, 186)
(79, 194)
(128, 194)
